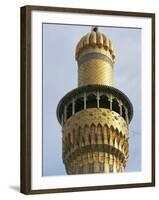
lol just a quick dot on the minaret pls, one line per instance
(95, 116)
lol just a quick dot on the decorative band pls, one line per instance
(90, 56)
(105, 148)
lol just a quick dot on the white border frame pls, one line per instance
(39, 182)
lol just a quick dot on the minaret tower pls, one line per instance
(95, 116)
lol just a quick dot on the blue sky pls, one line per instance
(60, 76)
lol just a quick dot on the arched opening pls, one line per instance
(99, 129)
(91, 101)
(87, 134)
(104, 102)
(73, 137)
(93, 129)
(106, 134)
(81, 136)
(99, 133)
(111, 136)
(77, 137)
(115, 106)
(102, 138)
(69, 110)
(123, 112)
(79, 104)
(93, 134)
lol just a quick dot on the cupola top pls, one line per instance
(95, 39)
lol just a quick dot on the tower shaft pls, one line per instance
(95, 67)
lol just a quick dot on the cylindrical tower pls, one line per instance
(95, 57)
(95, 116)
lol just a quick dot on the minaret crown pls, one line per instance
(95, 39)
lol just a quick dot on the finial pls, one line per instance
(95, 28)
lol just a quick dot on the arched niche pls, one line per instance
(79, 104)
(69, 110)
(104, 102)
(100, 135)
(91, 101)
(123, 112)
(115, 106)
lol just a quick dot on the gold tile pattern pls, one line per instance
(87, 132)
(95, 71)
